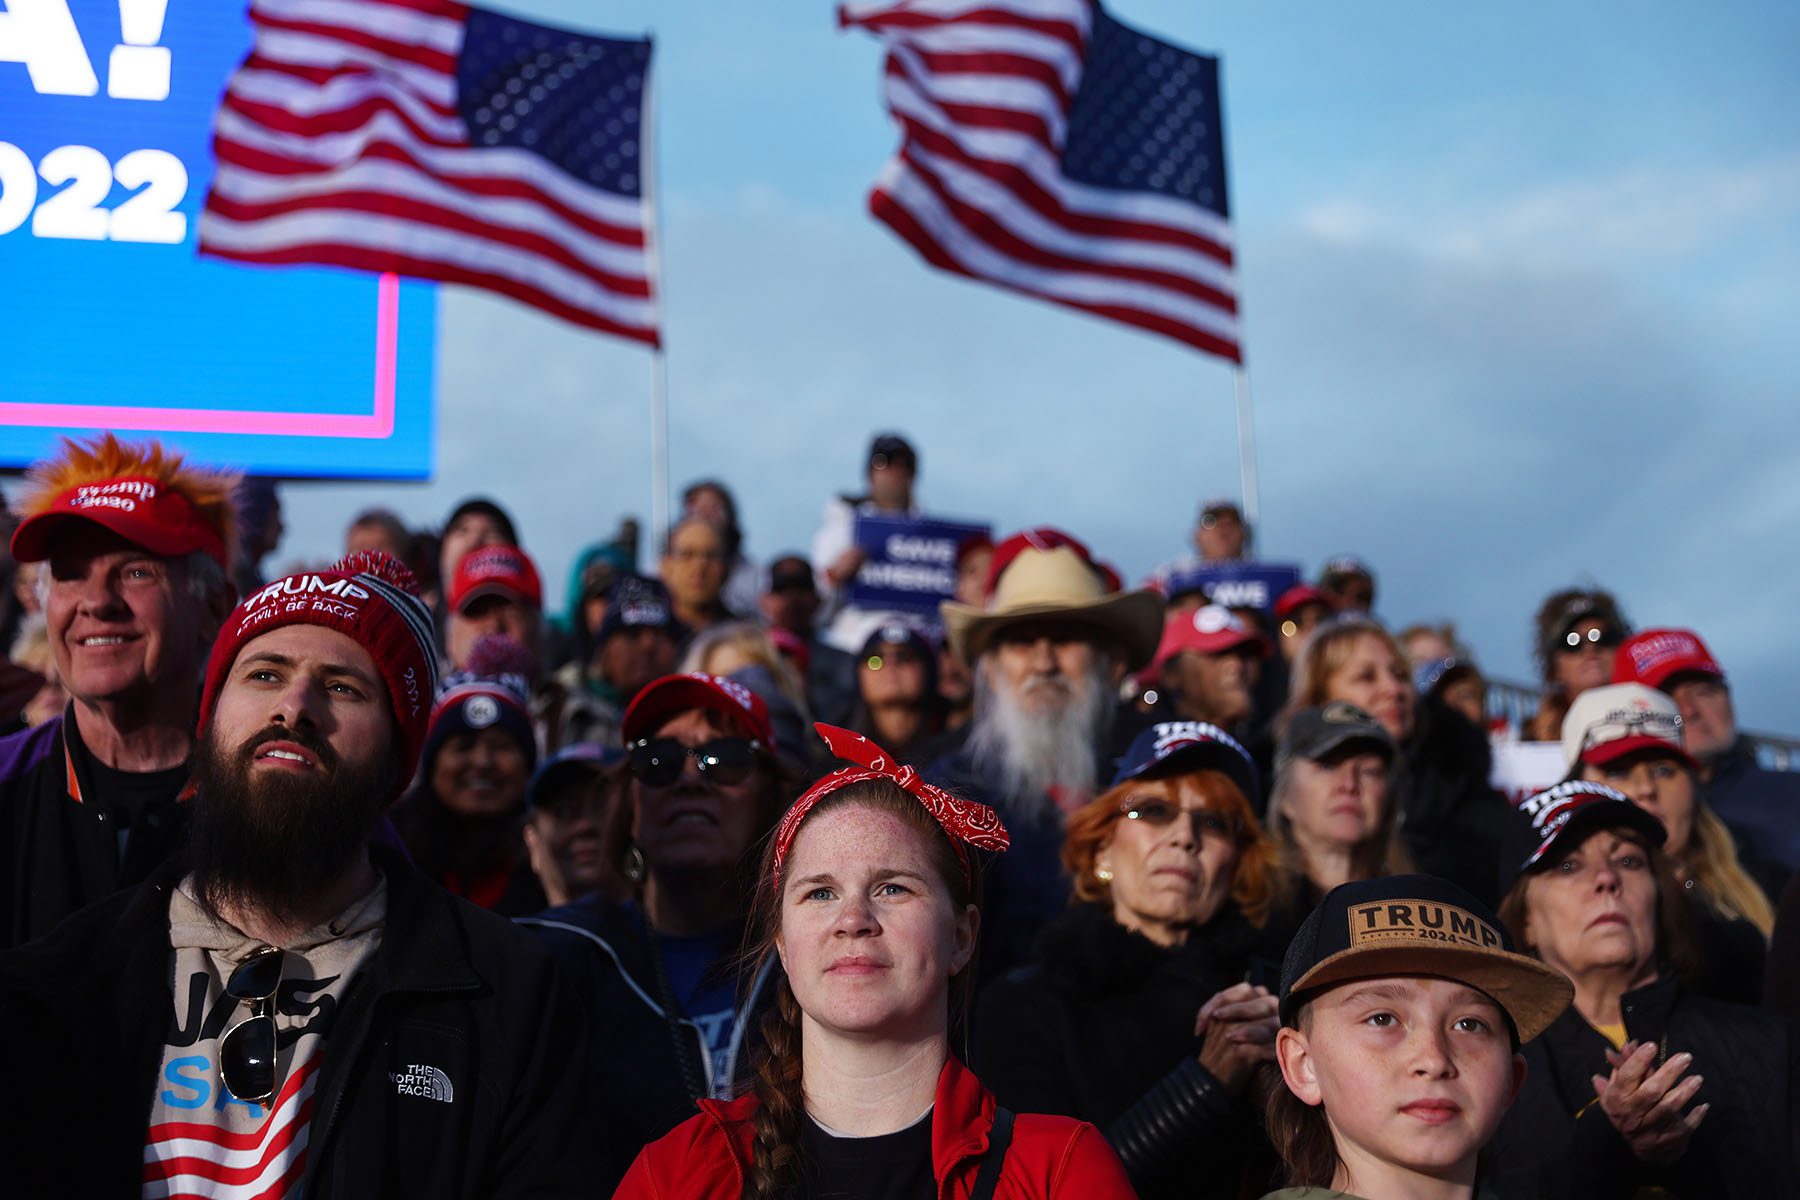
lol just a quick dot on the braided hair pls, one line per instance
(776, 1159)
(780, 1099)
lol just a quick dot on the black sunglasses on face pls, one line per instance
(1160, 814)
(247, 1054)
(1602, 636)
(657, 762)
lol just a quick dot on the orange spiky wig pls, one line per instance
(106, 457)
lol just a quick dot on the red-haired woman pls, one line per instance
(869, 898)
(1148, 1009)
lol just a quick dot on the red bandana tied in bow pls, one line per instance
(966, 821)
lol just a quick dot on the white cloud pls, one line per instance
(1650, 213)
(1483, 433)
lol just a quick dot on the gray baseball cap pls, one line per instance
(1314, 733)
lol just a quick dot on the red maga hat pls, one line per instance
(1206, 630)
(675, 694)
(495, 571)
(146, 513)
(1655, 656)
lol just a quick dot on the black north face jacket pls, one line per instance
(454, 997)
(60, 846)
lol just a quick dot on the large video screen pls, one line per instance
(108, 317)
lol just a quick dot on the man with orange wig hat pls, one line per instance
(136, 541)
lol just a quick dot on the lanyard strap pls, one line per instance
(999, 1138)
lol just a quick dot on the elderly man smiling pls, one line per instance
(136, 541)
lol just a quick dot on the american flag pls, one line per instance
(431, 139)
(1050, 149)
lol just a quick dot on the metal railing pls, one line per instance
(1517, 702)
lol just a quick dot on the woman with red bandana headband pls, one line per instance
(869, 898)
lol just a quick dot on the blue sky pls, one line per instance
(1519, 286)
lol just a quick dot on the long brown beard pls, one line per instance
(273, 844)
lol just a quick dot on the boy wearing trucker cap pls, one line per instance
(1403, 1006)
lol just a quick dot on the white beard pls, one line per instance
(1036, 749)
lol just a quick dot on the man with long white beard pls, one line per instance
(293, 1009)
(1050, 645)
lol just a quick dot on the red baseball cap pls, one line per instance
(495, 571)
(1044, 538)
(672, 695)
(142, 511)
(1297, 597)
(1206, 630)
(1654, 656)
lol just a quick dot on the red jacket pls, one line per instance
(705, 1157)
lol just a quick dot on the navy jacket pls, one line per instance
(1025, 888)
(1762, 807)
(633, 1083)
(86, 1012)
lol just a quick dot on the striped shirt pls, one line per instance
(202, 1141)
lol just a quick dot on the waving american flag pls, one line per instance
(1052, 150)
(428, 138)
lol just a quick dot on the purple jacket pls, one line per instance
(61, 838)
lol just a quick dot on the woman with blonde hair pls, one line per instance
(1147, 1009)
(31, 651)
(1331, 815)
(729, 648)
(1451, 818)
(1628, 737)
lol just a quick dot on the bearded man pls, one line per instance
(1050, 647)
(291, 1009)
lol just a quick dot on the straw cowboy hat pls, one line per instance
(1041, 575)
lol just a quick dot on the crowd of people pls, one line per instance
(379, 878)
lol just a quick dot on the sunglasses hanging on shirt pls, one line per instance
(247, 1053)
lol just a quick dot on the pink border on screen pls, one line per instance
(378, 424)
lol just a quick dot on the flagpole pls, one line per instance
(1241, 372)
(659, 360)
(1246, 445)
(659, 449)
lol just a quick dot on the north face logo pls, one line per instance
(425, 1081)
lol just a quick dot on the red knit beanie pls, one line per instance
(373, 599)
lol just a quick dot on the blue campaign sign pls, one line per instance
(911, 563)
(1243, 583)
(109, 319)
